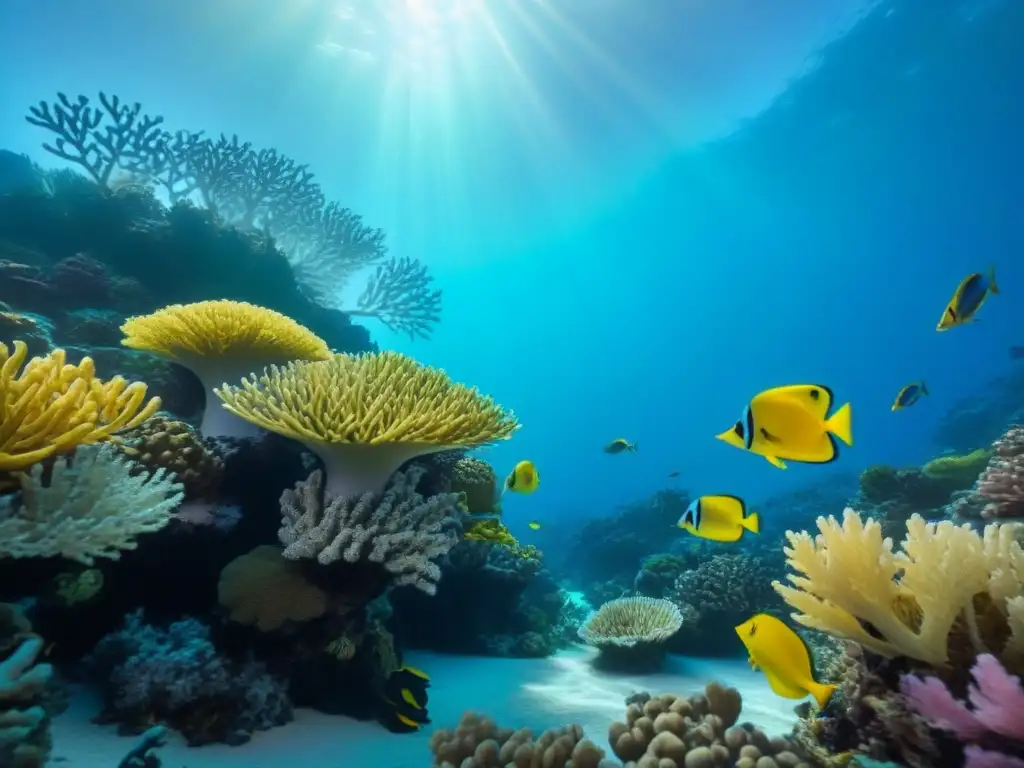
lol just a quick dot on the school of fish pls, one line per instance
(792, 423)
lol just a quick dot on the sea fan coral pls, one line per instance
(849, 578)
(365, 415)
(92, 507)
(222, 341)
(50, 406)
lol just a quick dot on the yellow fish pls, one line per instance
(522, 479)
(967, 299)
(620, 444)
(534, 525)
(909, 395)
(792, 423)
(784, 658)
(719, 518)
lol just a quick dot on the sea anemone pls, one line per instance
(365, 415)
(222, 341)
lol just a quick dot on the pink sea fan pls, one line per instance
(996, 698)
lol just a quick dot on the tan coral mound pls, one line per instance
(264, 589)
(176, 447)
(365, 415)
(849, 578)
(700, 731)
(50, 406)
(220, 342)
(478, 742)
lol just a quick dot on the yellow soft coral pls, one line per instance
(365, 415)
(222, 341)
(494, 532)
(50, 406)
(900, 603)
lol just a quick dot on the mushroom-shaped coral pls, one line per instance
(631, 631)
(52, 406)
(222, 341)
(365, 415)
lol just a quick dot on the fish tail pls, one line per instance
(924, 388)
(632, 447)
(821, 693)
(752, 522)
(840, 424)
(992, 287)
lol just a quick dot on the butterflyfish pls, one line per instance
(522, 479)
(784, 657)
(620, 445)
(533, 525)
(909, 395)
(967, 299)
(792, 423)
(719, 518)
(404, 700)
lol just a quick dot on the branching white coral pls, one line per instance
(94, 506)
(854, 586)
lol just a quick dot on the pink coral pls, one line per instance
(1001, 485)
(996, 701)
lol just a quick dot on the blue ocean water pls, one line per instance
(640, 215)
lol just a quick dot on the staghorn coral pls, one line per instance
(175, 446)
(849, 583)
(49, 406)
(991, 725)
(264, 589)
(365, 415)
(222, 341)
(397, 530)
(478, 742)
(632, 630)
(700, 731)
(477, 481)
(94, 506)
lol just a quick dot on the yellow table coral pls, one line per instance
(850, 583)
(51, 406)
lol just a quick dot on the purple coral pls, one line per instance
(992, 713)
(1001, 485)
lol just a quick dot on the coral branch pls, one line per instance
(399, 295)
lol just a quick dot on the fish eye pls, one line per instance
(815, 394)
(738, 429)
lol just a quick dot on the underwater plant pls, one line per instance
(222, 341)
(366, 415)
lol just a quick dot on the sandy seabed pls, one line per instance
(537, 693)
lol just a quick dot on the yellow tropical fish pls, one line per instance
(534, 525)
(784, 658)
(792, 423)
(620, 445)
(909, 395)
(522, 479)
(967, 299)
(719, 518)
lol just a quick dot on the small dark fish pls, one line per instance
(909, 395)
(620, 444)
(673, 474)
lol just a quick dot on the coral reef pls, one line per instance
(478, 742)
(24, 711)
(263, 588)
(365, 415)
(631, 632)
(93, 507)
(999, 492)
(477, 481)
(699, 731)
(177, 676)
(174, 446)
(398, 530)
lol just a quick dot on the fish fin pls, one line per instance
(822, 693)
(417, 672)
(406, 721)
(840, 424)
(896, 407)
(752, 522)
(782, 688)
(924, 388)
(992, 287)
(409, 699)
(775, 461)
(632, 446)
